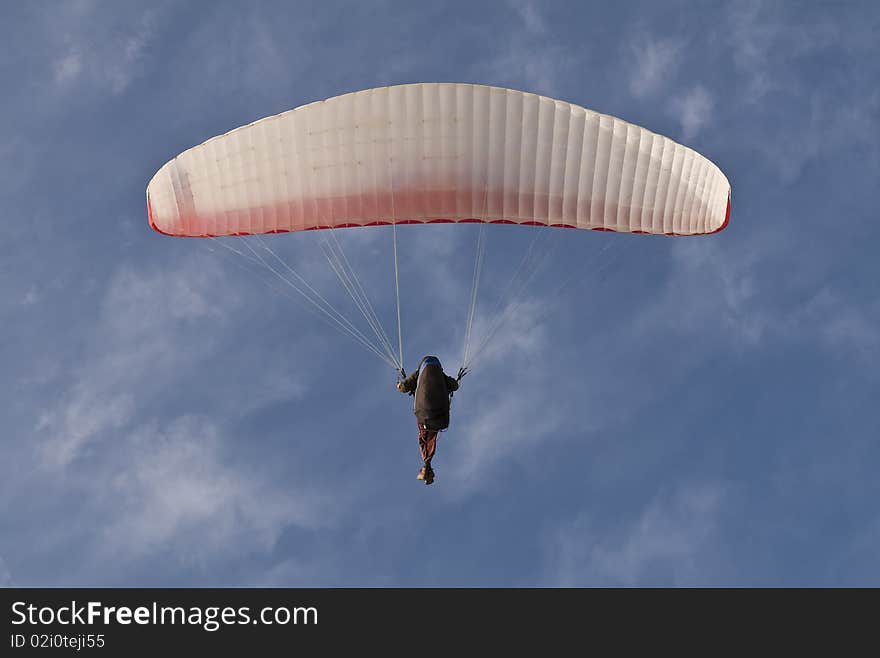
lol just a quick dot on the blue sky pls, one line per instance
(697, 411)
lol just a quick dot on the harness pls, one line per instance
(461, 373)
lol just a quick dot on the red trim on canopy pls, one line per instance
(726, 217)
(438, 220)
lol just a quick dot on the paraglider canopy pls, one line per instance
(437, 152)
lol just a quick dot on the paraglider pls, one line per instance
(432, 390)
(431, 153)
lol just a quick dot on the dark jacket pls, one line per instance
(432, 388)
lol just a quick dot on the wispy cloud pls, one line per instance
(178, 492)
(68, 67)
(672, 541)
(845, 327)
(86, 416)
(92, 51)
(31, 296)
(694, 111)
(711, 291)
(530, 56)
(656, 61)
(530, 14)
(499, 427)
(771, 52)
(822, 128)
(764, 42)
(717, 297)
(177, 487)
(131, 349)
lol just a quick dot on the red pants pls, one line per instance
(427, 443)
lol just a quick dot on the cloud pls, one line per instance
(92, 49)
(694, 110)
(125, 437)
(68, 67)
(86, 416)
(32, 296)
(530, 15)
(842, 325)
(496, 425)
(821, 130)
(797, 118)
(550, 398)
(717, 299)
(177, 491)
(765, 43)
(141, 335)
(531, 57)
(656, 61)
(711, 291)
(673, 541)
